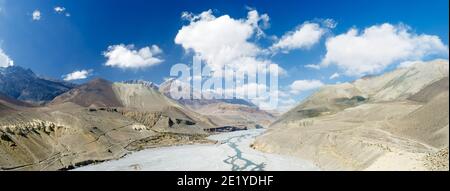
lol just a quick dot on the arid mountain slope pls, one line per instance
(94, 122)
(328, 100)
(63, 136)
(136, 98)
(142, 98)
(9, 105)
(5, 105)
(224, 112)
(431, 91)
(429, 123)
(96, 93)
(397, 85)
(403, 82)
(394, 122)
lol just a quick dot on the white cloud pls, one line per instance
(228, 42)
(36, 15)
(329, 23)
(124, 57)
(304, 37)
(5, 61)
(334, 76)
(224, 41)
(59, 9)
(77, 75)
(244, 90)
(299, 86)
(259, 22)
(375, 48)
(219, 40)
(313, 66)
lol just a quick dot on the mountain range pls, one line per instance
(395, 121)
(83, 126)
(23, 84)
(51, 125)
(224, 112)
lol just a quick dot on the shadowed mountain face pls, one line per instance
(428, 93)
(11, 101)
(429, 123)
(10, 105)
(24, 85)
(394, 121)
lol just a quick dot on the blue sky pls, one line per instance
(57, 44)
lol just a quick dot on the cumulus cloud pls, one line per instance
(36, 15)
(77, 75)
(5, 61)
(219, 40)
(334, 76)
(125, 57)
(375, 48)
(259, 22)
(224, 41)
(299, 86)
(313, 66)
(303, 37)
(59, 9)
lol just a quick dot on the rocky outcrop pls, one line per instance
(437, 161)
(64, 137)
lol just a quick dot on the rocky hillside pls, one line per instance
(24, 85)
(130, 97)
(388, 122)
(95, 93)
(397, 85)
(94, 122)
